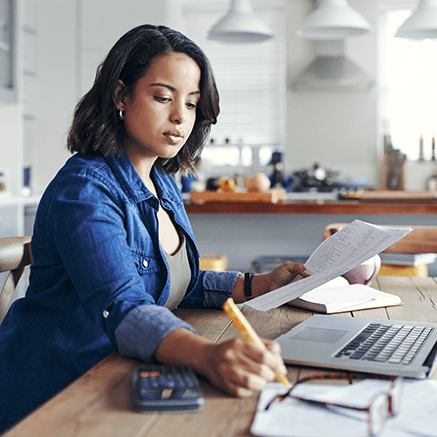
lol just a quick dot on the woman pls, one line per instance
(113, 249)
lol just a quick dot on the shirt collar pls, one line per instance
(132, 184)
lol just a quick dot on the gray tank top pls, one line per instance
(180, 275)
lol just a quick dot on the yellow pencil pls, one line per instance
(243, 326)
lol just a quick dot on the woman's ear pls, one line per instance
(118, 92)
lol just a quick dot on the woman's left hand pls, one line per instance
(284, 274)
(264, 283)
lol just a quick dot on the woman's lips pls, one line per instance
(174, 137)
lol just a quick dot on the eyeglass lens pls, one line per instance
(378, 414)
(395, 397)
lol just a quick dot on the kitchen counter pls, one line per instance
(371, 202)
(340, 207)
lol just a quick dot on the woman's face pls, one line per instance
(161, 111)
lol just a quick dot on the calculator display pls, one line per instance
(166, 388)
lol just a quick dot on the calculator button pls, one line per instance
(167, 382)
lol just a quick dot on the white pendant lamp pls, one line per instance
(240, 25)
(333, 20)
(422, 24)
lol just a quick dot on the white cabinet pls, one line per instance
(9, 224)
(9, 220)
(16, 218)
(8, 87)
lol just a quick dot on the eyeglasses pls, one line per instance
(379, 408)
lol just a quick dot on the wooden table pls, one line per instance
(99, 403)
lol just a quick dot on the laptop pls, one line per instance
(385, 347)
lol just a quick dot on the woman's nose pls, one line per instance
(178, 113)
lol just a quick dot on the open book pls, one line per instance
(337, 296)
(338, 254)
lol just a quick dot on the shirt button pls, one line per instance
(145, 263)
(105, 314)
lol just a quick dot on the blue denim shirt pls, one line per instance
(99, 280)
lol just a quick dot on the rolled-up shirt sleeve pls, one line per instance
(218, 287)
(142, 330)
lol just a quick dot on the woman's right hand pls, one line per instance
(241, 368)
(236, 366)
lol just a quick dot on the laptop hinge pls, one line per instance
(430, 359)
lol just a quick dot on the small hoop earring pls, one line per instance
(121, 114)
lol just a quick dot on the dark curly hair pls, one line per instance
(96, 127)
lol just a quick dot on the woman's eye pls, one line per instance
(162, 99)
(191, 105)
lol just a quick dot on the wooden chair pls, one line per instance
(422, 239)
(15, 255)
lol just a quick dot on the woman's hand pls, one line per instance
(264, 283)
(237, 366)
(284, 274)
(241, 368)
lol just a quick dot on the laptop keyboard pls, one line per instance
(394, 344)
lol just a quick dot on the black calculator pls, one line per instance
(159, 388)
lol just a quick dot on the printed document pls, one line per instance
(341, 252)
